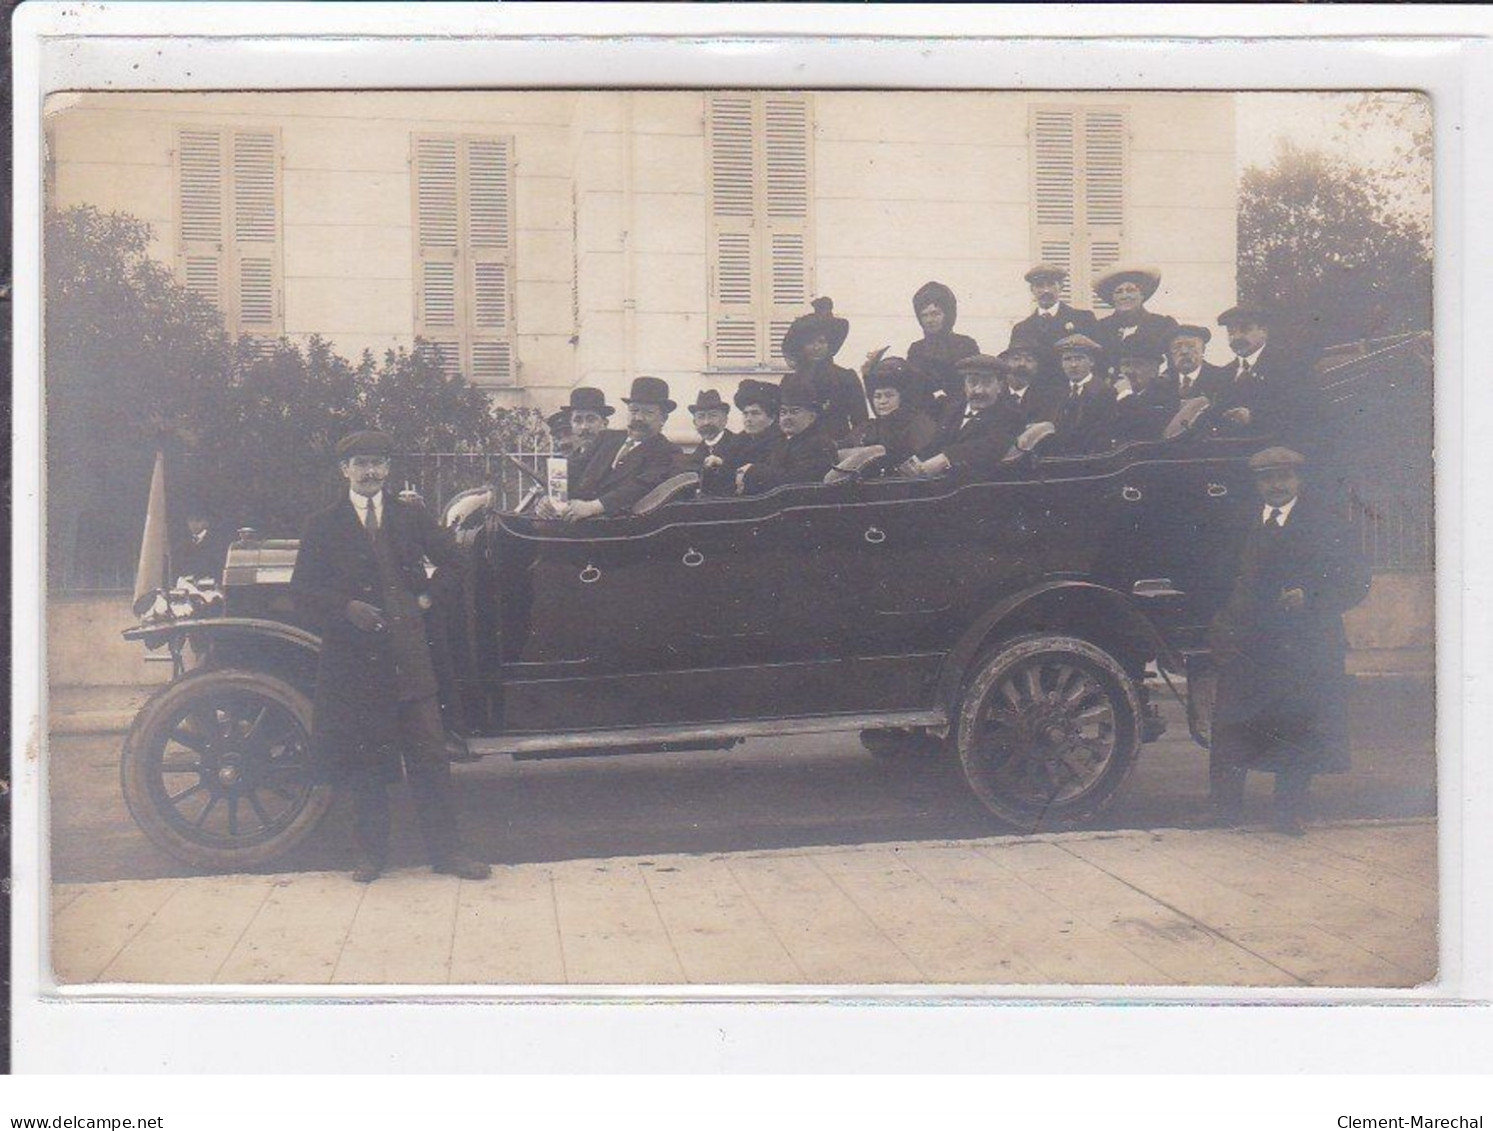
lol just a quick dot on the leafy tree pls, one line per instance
(135, 362)
(1322, 247)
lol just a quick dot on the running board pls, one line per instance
(622, 738)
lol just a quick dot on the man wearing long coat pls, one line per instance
(1280, 648)
(360, 579)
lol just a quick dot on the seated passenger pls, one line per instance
(810, 346)
(718, 444)
(1145, 411)
(900, 425)
(933, 357)
(757, 401)
(807, 452)
(978, 435)
(1036, 398)
(1187, 370)
(1087, 410)
(1271, 390)
(626, 465)
(589, 413)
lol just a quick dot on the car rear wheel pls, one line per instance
(217, 770)
(1048, 731)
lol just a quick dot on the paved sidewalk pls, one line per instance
(1351, 904)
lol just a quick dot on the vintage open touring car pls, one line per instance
(1011, 622)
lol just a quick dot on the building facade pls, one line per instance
(550, 239)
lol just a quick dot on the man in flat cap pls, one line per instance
(1279, 646)
(1034, 394)
(360, 578)
(978, 435)
(1188, 369)
(807, 452)
(1088, 406)
(718, 446)
(626, 465)
(1145, 411)
(1052, 319)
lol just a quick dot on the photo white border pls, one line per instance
(347, 46)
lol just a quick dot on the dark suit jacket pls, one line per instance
(976, 446)
(805, 458)
(1210, 382)
(841, 390)
(355, 724)
(577, 461)
(1154, 331)
(641, 470)
(729, 447)
(1067, 320)
(750, 449)
(1144, 416)
(1281, 687)
(1283, 399)
(1084, 422)
(1040, 402)
(201, 559)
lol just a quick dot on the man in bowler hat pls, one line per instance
(626, 465)
(1280, 649)
(360, 578)
(718, 446)
(588, 413)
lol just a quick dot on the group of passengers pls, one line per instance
(1067, 380)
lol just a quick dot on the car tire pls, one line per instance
(216, 770)
(1048, 729)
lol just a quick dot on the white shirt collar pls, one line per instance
(198, 539)
(1051, 312)
(1079, 385)
(1254, 358)
(360, 504)
(1019, 394)
(719, 436)
(1285, 512)
(1190, 375)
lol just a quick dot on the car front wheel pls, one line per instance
(1048, 731)
(217, 769)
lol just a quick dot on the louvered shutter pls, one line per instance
(1055, 193)
(437, 247)
(1078, 192)
(256, 232)
(786, 142)
(736, 335)
(1103, 189)
(489, 266)
(200, 184)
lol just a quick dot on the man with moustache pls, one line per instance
(589, 413)
(1152, 402)
(978, 435)
(1036, 398)
(1053, 318)
(626, 465)
(1269, 392)
(360, 578)
(1187, 370)
(718, 445)
(807, 452)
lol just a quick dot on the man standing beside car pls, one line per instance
(626, 465)
(360, 577)
(1280, 648)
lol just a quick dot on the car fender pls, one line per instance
(219, 628)
(1100, 614)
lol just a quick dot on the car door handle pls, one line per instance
(590, 575)
(1217, 490)
(875, 535)
(1132, 494)
(692, 558)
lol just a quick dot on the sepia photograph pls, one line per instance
(554, 540)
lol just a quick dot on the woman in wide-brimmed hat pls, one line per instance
(810, 346)
(932, 358)
(901, 425)
(1127, 288)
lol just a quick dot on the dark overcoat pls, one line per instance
(1040, 402)
(1144, 415)
(579, 459)
(1284, 400)
(804, 458)
(933, 359)
(194, 559)
(756, 449)
(844, 398)
(617, 488)
(976, 445)
(1084, 421)
(1065, 320)
(355, 726)
(1282, 683)
(903, 434)
(1211, 381)
(729, 447)
(1152, 331)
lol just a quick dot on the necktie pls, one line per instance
(1074, 389)
(1187, 380)
(370, 519)
(627, 446)
(1243, 374)
(1276, 518)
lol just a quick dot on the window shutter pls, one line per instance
(787, 139)
(1103, 189)
(760, 155)
(1055, 192)
(199, 175)
(735, 330)
(256, 232)
(437, 236)
(489, 211)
